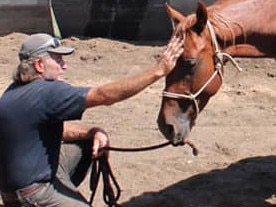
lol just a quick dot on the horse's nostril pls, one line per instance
(170, 131)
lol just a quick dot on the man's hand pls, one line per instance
(171, 54)
(100, 141)
(73, 131)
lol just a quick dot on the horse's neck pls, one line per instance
(243, 24)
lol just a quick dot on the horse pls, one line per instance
(213, 36)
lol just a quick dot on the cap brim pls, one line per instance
(62, 50)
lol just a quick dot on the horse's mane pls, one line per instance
(225, 25)
(221, 23)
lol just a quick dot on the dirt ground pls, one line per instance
(235, 134)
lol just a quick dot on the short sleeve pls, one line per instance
(64, 102)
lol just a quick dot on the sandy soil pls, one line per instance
(236, 132)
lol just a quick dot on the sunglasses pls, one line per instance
(54, 43)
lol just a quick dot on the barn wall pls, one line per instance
(118, 19)
(156, 23)
(28, 16)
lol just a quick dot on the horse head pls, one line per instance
(196, 77)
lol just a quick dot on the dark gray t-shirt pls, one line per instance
(31, 126)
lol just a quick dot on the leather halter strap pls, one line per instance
(218, 60)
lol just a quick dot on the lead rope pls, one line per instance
(102, 167)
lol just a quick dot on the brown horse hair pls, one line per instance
(217, 21)
(216, 18)
(178, 30)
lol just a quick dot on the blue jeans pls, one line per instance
(75, 160)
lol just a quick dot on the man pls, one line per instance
(43, 158)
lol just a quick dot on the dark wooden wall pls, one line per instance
(24, 18)
(117, 19)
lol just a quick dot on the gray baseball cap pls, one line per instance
(40, 43)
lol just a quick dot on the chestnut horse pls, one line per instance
(212, 36)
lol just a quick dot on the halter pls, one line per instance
(218, 59)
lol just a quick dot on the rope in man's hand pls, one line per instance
(102, 167)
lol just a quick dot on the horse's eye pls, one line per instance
(190, 63)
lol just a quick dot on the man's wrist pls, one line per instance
(162, 66)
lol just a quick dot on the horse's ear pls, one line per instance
(201, 16)
(175, 16)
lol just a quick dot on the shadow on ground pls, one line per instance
(247, 183)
